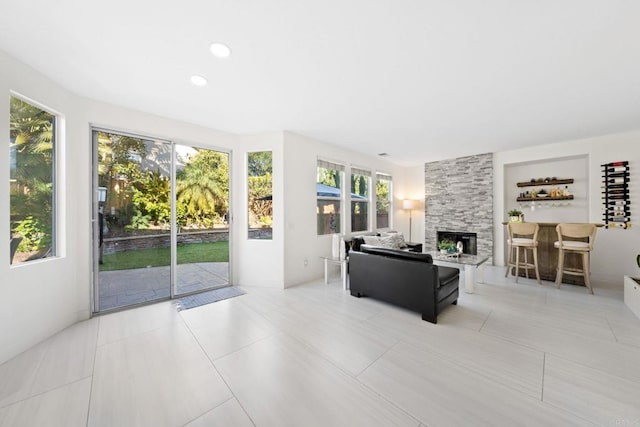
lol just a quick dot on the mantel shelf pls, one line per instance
(543, 199)
(537, 183)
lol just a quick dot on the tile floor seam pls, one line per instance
(93, 371)
(601, 371)
(377, 358)
(139, 333)
(557, 355)
(479, 372)
(612, 331)
(554, 326)
(40, 363)
(485, 321)
(499, 384)
(544, 367)
(205, 413)
(45, 392)
(384, 398)
(511, 341)
(44, 353)
(220, 375)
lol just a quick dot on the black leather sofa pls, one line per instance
(403, 278)
(357, 241)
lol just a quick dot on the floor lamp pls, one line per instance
(409, 204)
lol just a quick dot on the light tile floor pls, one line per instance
(312, 355)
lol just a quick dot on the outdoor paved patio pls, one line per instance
(120, 288)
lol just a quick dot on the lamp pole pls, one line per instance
(408, 204)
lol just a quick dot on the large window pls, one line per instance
(260, 191)
(329, 194)
(32, 142)
(360, 196)
(383, 200)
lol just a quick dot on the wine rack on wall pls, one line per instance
(615, 195)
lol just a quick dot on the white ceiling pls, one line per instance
(419, 79)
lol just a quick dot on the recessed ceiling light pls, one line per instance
(220, 50)
(198, 80)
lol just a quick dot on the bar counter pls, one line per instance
(548, 256)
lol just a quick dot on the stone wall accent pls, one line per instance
(120, 244)
(459, 197)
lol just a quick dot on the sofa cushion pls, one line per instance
(397, 253)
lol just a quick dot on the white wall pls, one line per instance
(301, 239)
(615, 250)
(259, 262)
(45, 296)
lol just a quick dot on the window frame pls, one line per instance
(328, 165)
(248, 210)
(364, 173)
(381, 176)
(57, 247)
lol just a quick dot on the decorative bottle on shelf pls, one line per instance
(566, 192)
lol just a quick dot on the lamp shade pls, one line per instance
(408, 204)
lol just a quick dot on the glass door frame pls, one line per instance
(95, 266)
(174, 229)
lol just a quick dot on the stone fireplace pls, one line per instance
(459, 198)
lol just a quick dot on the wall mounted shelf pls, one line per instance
(538, 183)
(543, 199)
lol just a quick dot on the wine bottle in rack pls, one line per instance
(617, 180)
(613, 169)
(617, 208)
(618, 202)
(614, 186)
(619, 219)
(618, 225)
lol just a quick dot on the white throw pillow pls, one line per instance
(372, 240)
(396, 240)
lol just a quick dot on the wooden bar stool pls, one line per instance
(575, 231)
(522, 229)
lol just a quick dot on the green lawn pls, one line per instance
(195, 252)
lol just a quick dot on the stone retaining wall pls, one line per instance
(120, 244)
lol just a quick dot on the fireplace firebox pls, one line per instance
(469, 240)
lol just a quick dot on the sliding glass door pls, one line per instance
(202, 214)
(161, 220)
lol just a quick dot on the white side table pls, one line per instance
(632, 294)
(473, 267)
(343, 270)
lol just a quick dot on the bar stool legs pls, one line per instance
(524, 243)
(577, 233)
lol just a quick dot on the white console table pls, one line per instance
(343, 263)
